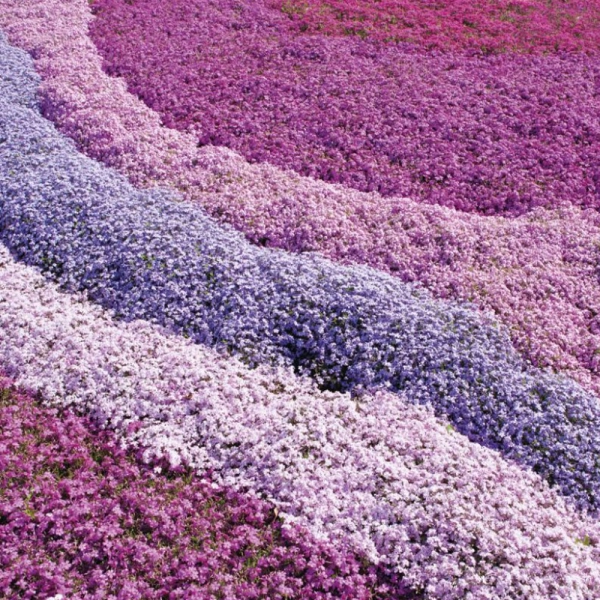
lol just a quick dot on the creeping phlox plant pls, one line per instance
(377, 476)
(538, 273)
(83, 518)
(498, 134)
(146, 256)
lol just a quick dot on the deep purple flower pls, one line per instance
(494, 134)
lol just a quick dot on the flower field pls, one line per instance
(300, 299)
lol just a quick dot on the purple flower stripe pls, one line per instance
(498, 134)
(81, 517)
(374, 475)
(145, 256)
(537, 273)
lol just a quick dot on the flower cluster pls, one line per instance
(496, 134)
(538, 273)
(453, 518)
(81, 517)
(146, 256)
(489, 25)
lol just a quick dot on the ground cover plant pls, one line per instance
(452, 517)
(357, 424)
(537, 273)
(146, 256)
(489, 26)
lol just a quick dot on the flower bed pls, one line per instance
(498, 134)
(377, 477)
(146, 256)
(81, 517)
(489, 25)
(537, 273)
(334, 430)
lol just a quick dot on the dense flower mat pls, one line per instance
(373, 476)
(451, 516)
(538, 273)
(81, 517)
(494, 134)
(144, 255)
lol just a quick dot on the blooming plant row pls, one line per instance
(81, 517)
(146, 256)
(376, 476)
(489, 25)
(497, 134)
(538, 273)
